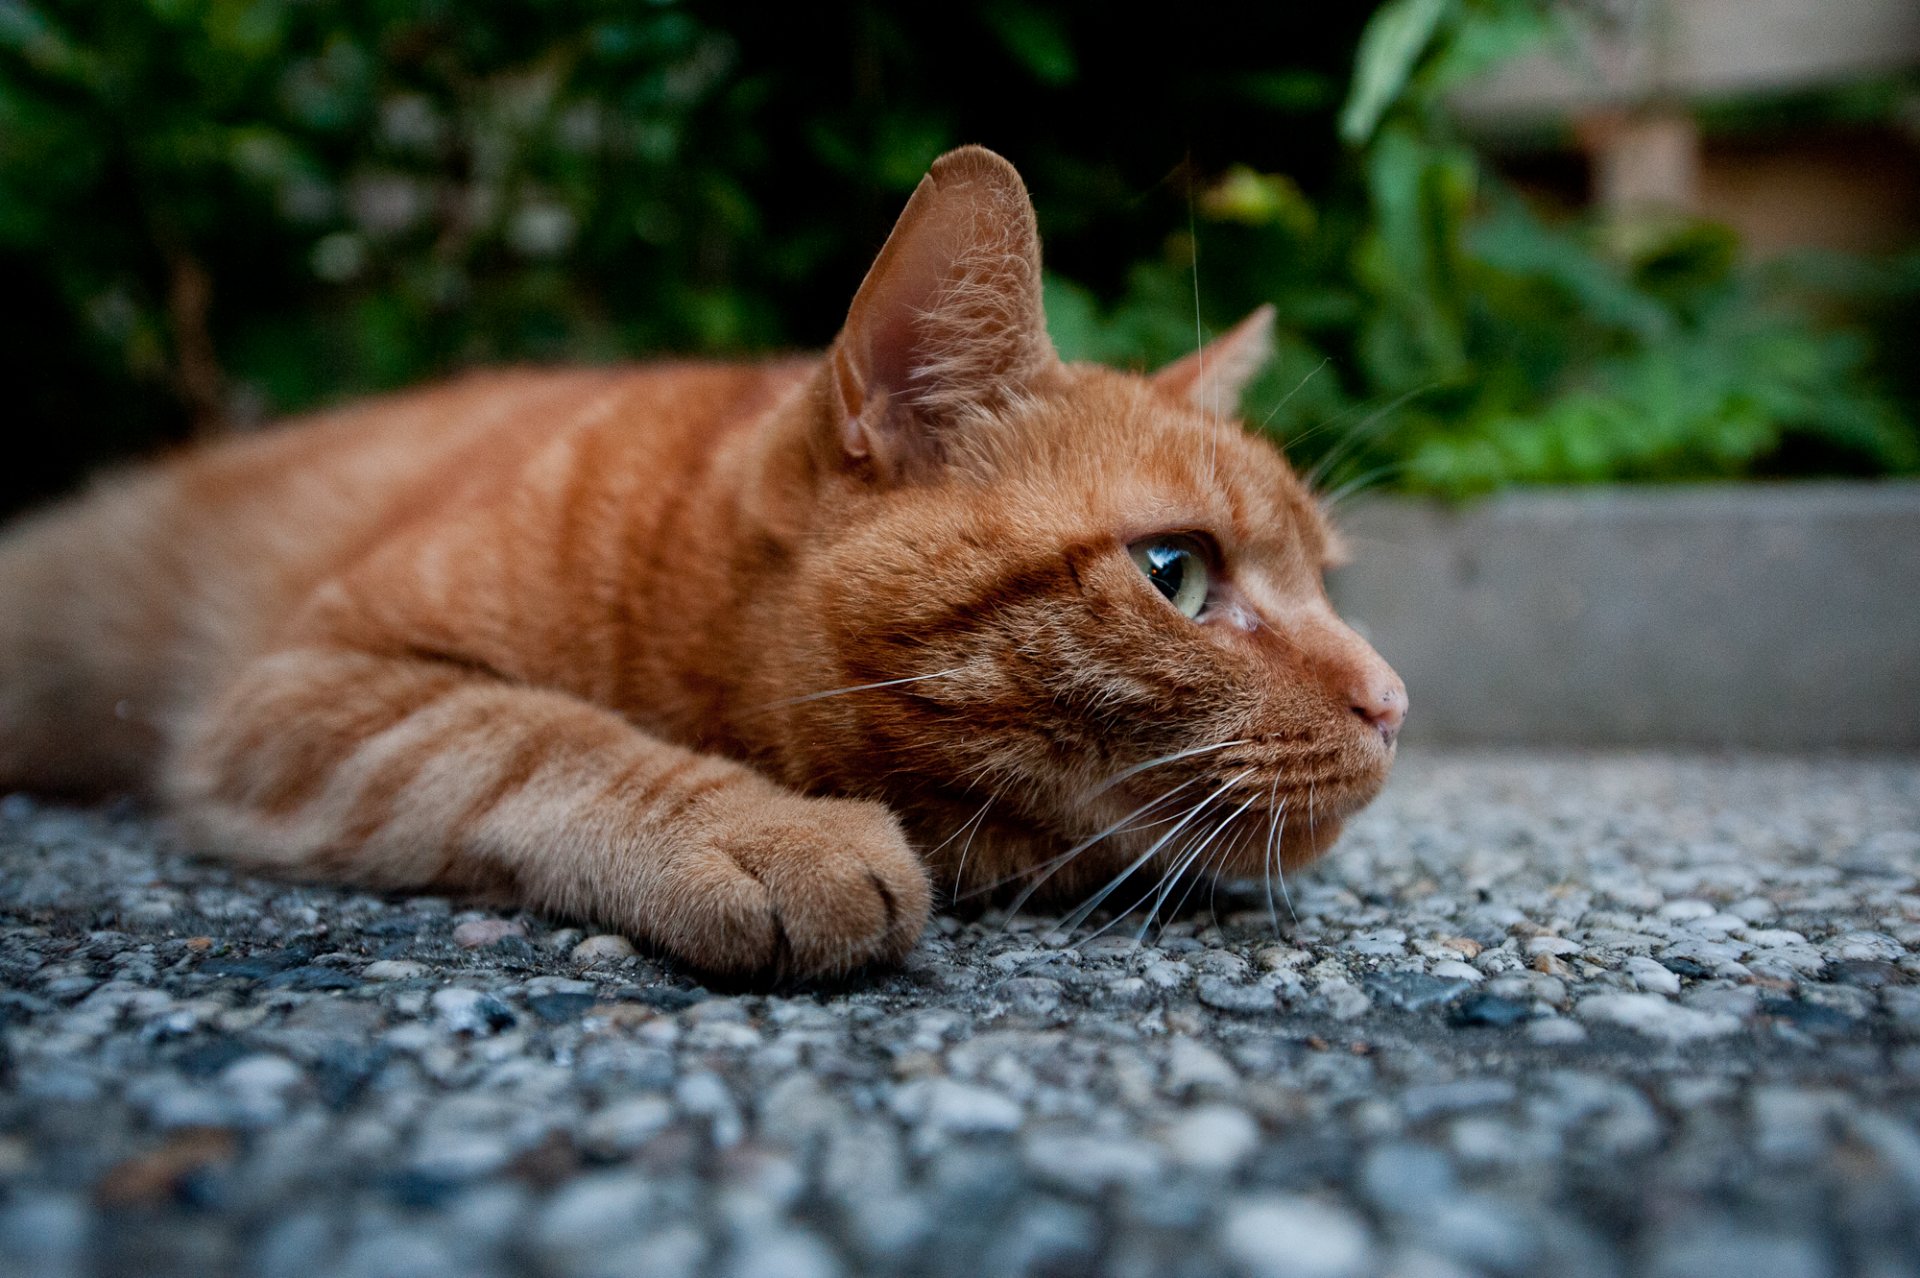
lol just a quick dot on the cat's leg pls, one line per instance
(419, 773)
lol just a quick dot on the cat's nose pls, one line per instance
(1381, 699)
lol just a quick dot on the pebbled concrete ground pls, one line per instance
(1569, 1015)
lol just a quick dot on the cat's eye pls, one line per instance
(1177, 567)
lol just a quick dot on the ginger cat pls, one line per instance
(740, 659)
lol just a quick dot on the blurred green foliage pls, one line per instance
(222, 209)
(1439, 335)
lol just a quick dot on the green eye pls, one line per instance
(1177, 569)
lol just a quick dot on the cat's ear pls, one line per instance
(948, 321)
(1213, 377)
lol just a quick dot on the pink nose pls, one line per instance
(1382, 702)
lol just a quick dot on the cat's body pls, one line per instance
(595, 640)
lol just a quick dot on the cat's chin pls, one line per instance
(1299, 848)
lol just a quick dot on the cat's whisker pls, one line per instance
(1059, 860)
(1047, 869)
(1297, 388)
(1161, 886)
(959, 870)
(859, 687)
(1312, 833)
(1280, 869)
(957, 832)
(1199, 337)
(1204, 872)
(1175, 757)
(1327, 425)
(1374, 422)
(1193, 857)
(1194, 844)
(1360, 484)
(1267, 857)
(1227, 851)
(1086, 908)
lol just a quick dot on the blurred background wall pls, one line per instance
(1512, 243)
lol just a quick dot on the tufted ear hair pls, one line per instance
(1213, 378)
(948, 322)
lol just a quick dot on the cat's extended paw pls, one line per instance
(797, 888)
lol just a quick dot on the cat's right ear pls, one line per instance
(948, 322)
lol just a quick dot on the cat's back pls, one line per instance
(133, 601)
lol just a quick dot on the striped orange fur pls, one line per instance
(741, 659)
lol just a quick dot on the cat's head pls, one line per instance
(1090, 598)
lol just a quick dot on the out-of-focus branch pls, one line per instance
(198, 378)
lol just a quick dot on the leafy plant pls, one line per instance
(1439, 335)
(213, 211)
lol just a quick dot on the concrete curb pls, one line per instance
(1771, 617)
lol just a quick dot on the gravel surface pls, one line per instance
(1566, 1015)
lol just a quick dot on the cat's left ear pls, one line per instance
(948, 324)
(1213, 377)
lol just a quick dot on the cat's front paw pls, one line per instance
(794, 887)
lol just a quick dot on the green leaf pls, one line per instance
(1037, 38)
(1398, 33)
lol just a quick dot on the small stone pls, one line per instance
(393, 970)
(468, 1011)
(1127, 993)
(1425, 1100)
(1792, 1124)
(625, 1125)
(262, 1073)
(596, 1214)
(1550, 945)
(1465, 946)
(1378, 941)
(1656, 1017)
(784, 1253)
(475, 933)
(1193, 1065)
(1482, 1009)
(1167, 974)
(1868, 974)
(1683, 910)
(1406, 1178)
(1651, 976)
(44, 1234)
(1213, 1138)
(1552, 965)
(310, 978)
(1413, 991)
(1294, 1237)
(1814, 1018)
(557, 1008)
(1771, 938)
(1342, 999)
(1556, 1031)
(1455, 970)
(1224, 995)
(1867, 945)
(604, 948)
(1087, 1164)
(956, 1108)
(1722, 1251)
(1278, 958)
(705, 1095)
(1031, 995)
